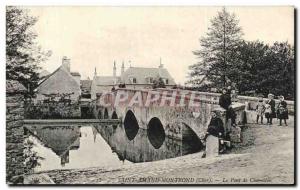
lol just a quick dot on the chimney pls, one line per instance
(66, 63)
(115, 69)
(160, 64)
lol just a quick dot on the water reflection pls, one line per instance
(140, 149)
(69, 147)
(91, 149)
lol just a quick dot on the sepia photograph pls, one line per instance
(150, 95)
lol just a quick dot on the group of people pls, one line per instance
(269, 110)
(264, 108)
(215, 127)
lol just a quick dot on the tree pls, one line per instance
(23, 55)
(158, 83)
(251, 61)
(266, 69)
(217, 55)
(279, 75)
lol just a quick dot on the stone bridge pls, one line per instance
(174, 113)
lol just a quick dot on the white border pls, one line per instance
(3, 3)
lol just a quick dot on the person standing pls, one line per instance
(271, 102)
(282, 111)
(225, 102)
(260, 109)
(268, 112)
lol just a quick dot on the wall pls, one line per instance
(252, 101)
(77, 78)
(53, 110)
(14, 132)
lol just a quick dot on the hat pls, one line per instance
(281, 96)
(271, 95)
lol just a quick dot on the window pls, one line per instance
(167, 81)
(149, 80)
(133, 80)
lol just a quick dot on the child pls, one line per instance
(268, 111)
(282, 111)
(260, 109)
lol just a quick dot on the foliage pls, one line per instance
(266, 69)
(252, 66)
(158, 83)
(217, 54)
(23, 55)
(31, 157)
(54, 106)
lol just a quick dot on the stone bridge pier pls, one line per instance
(174, 113)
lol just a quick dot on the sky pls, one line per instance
(95, 37)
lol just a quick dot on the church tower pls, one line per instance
(115, 69)
(122, 68)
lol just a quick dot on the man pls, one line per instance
(225, 102)
(215, 131)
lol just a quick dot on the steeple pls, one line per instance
(95, 73)
(115, 69)
(122, 68)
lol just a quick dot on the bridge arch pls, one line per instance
(190, 140)
(131, 125)
(156, 133)
(106, 116)
(114, 115)
(100, 115)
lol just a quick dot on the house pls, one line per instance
(133, 78)
(60, 82)
(85, 86)
(60, 139)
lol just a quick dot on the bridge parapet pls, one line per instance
(177, 110)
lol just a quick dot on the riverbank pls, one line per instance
(265, 156)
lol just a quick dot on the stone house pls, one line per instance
(133, 78)
(60, 139)
(60, 82)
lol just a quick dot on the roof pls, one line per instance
(107, 80)
(86, 85)
(58, 81)
(75, 74)
(48, 76)
(44, 73)
(141, 73)
(58, 139)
